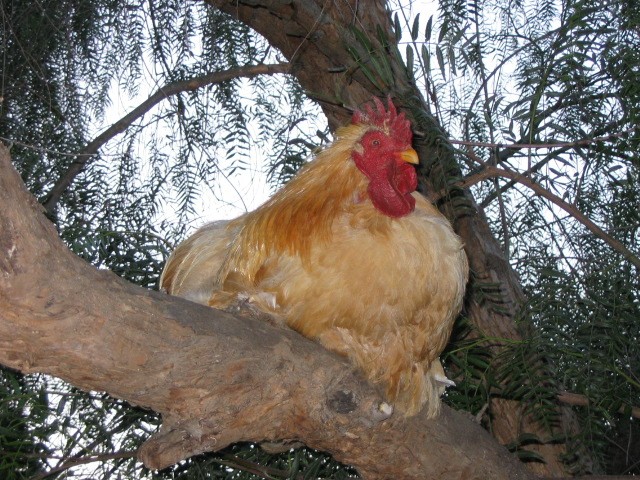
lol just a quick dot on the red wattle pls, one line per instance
(391, 193)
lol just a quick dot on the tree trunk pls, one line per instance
(216, 378)
(313, 35)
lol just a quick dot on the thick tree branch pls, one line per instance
(216, 378)
(171, 89)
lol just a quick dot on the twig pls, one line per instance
(309, 33)
(537, 146)
(84, 461)
(578, 400)
(10, 142)
(478, 416)
(490, 171)
(83, 157)
(262, 471)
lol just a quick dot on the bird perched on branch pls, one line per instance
(348, 254)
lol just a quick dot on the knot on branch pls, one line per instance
(342, 401)
(175, 443)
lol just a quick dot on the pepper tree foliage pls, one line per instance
(498, 72)
(545, 72)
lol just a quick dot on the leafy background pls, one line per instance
(497, 75)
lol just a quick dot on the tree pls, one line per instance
(342, 64)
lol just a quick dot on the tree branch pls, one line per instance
(558, 148)
(553, 145)
(490, 171)
(579, 400)
(83, 461)
(171, 89)
(216, 378)
(258, 470)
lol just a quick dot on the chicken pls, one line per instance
(347, 254)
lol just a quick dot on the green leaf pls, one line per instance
(428, 29)
(312, 472)
(410, 61)
(529, 456)
(452, 59)
(426, 59)
(295, 465)
(363, 39)
(443, 30)
(415, 28)
(458, 35)
(396, 27)
(440, 58)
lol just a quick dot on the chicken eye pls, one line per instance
(375, 143)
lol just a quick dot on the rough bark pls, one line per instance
(312, 35)
(216, 378)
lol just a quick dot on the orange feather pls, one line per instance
(382, 291)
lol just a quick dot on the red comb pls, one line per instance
(389, 120)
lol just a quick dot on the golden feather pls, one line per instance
(382, 291)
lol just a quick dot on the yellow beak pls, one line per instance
(409, 155)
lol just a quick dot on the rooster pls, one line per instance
(347, 254)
